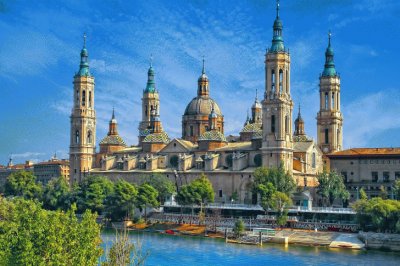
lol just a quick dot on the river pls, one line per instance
(193, 251)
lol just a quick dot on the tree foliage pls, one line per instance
(363, 195)
(121, 202)
(331, 187)
(93, 192)
(378, 214)
(22, 184)
(162, 184)
(147, 197)
(280, 203)
(396, 189)
(266, 191)
(30, 235)
(57, 195)
(278, 177)
(199, 191)
(238, 228)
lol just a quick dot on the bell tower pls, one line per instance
(277, 105)
(329, 117)
(83, 121)
(150, 104)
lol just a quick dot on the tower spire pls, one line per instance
(84, 40)
(203, 71)
(151, 84)
(329, 68)
(84, 65)
(113, 115)
(256, 95)
(277, 40)
(277, 8)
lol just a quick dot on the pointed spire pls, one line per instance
(113, 114)
(329, 69)
(256, 95)
(151, 60)
(299, 114)
(203, 71)
(151, 84)
(84, 65)
(277, 40)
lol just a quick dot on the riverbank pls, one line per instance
(281, 236)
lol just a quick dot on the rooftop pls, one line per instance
(366, 152)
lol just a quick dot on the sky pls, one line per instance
(40, 43)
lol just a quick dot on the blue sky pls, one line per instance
(41, 41)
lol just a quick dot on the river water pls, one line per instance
(193, 251)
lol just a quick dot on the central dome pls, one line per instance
(202, 105)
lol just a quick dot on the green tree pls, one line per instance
(363, 195)
(57, 194)
(162, 184)
(22, 184)
(120, 203)
(30, 235)
(92, 193)
(203, 190)
(280, 203)
(396, 189)
(382, 192)
(238, 228)
(147, 197)
(331, 187)
(266, 191)
(279, 178)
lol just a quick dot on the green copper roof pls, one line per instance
(213, 135)
(277, 40)
(151, 84)
(329, 69)
(84, 65)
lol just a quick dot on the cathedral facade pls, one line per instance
(266, 139)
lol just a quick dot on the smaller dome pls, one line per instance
(202, 105)
(212, 135)
(203, 77)
(278, 23)
(157, 138)
(257, 105)
(113, 140)
(255, 127)
(84, 52)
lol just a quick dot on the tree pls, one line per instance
(238, 228)
(162, 184)
(396, 189)
(120, 203)
(280, 203)
(57, 194)
(147, 197)
(22, 184)
(30, 235)
(203, 188)
(279, 178)
(93, 192)
(331, 187)
(266, 191)
(363, 195)
(382, 192)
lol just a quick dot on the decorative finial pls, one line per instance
(256, 95)
(203, 71)
(113, 115)
(277, 8)
(329, 37)
(84, 40)
(151, 60)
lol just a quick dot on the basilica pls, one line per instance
(266, 139)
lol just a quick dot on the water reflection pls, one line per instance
(193, 251)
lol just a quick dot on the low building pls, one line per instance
(5, 171)
(54, 168)
(367, 168)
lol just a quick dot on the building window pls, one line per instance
(90, 99)
(229, 160)
(326, 101)
(344, 175)
(89, 137)
(83, 98)
(77, 137)
(374, 177)
(220, 193)
(333, 101)
(287, 124)
(77, 96)
(280, 81)
(386, 176)
(273, 81)
(273, 124)
(191, 131)
(174, 161)
(326, 136)
(314, 163)
(258, 160)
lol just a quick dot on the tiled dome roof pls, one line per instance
(113, 140)
(157, 138)
(202, 105)
(212, 135)
(257, 135)
(254, 127)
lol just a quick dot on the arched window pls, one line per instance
(145, 110)
(83, 97)
(89, 137)
(273, 81)
(273, 123)
(333, 100)
(77, 96)
(90, 99)
(313, 161)
(280, 81)
(77, 137)
(287, 82)
(286, 124)
(326, 101)
(326, 136)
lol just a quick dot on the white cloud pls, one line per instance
(27, 154)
